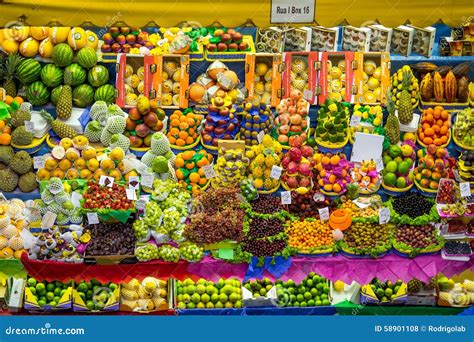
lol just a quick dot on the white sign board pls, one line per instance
(290, 11)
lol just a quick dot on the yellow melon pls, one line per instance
(7, 253)
(29, 47)
(16, 243)
(58, 34)
(19, 32)
(10, 46)
(39, 32)
(10, 232)
(46, 48)
(92, 40)
(77, 38)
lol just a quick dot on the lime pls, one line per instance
(209, 305)
(90, 305)
(200, 289)
(223, 298)
(205, 298)
(318, 303)
(190, 289)
(303, 304)
(40, 288)
(295, 304)
(388, 292)
(195, 298)
(32, 282)
(186, 298)
(401, 182)
(309, 283)
(390, 179)
(89, 294)
(57, 291)
(386, 159)
(238, 304)
(43, 298)
(391, 166)
(190, 305)
(325, 302)
(320, 286)
(53, 303)
(200, 305)
(263, 291)
(326, 289)
(307, 295)
(179, 290)
(300, 297)
(301, 289)
(50, 287)
(82, 287)
(214, 298)
(32, 289)
(396, 288)
(181, 306)
(82, 295)
(219, 305)
(292, 298)
(380, 293)
(311, 302)
(210, 289)
(49, 296)
(324, 296)
(180, 298)
(41, 303)
(228, 305)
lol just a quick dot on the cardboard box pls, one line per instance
(402, 40)
(350, 293)
(311, 61)
(169, 92)
(15, 292)
(166, 305)
(380, 38)
(273, 61)
(382, 60)
(464, 32)
(368, 296)
(297, 39)
(356, 38)
(270, 40)
(423, 40)
(324, 39)
(64, 304)
(113, 303)
(422, 298)
(125, 84)
(249, 301)
(450, 47)
(328, 85)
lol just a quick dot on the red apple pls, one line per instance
(131, 39)
(211, 47)
(226, 38)
(237, 37)
(243, 46)
(233, 46)
(120, 39)
(114, 31)
(222, 47)
(126, 48)
(106, 48)
(125, 30)
(116, 47)
(107, 38)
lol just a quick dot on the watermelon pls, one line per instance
(78, 74)
(98, 75)
(55, 94)
(83, 95)
(62, 55)
(51, 75)
(105, 93)
(37, 93)
(86, 57)
(28, 70)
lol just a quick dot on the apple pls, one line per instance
(131, 39)
(137, 45)
(142, 37)
(237, 37)
(231, 31)
(114, 31)
(233, 46)
(220, 93)
(125, 30)
(243, 46)
(116, 47)
(107, 38)
(226, 38)
(126, 48)
(211, 47)
(218, 32)
(222, 47)
(120, 39)
(106, 48)
(224, 112)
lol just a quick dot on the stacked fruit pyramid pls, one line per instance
(333, 120)
(221, 122)
(433, 164)
(254, 120)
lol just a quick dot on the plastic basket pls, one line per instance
(444, 145)
(325, 147)
(187, 147)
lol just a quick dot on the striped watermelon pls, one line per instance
(98, 75)
(37, 93)
(62, 55)
(78, 74)
(105, 93)
(83, 95)
(28, 70)
(86, 57)
(52, 75)
(55, 94)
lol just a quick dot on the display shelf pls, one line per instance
(211, 312)
(350, 309)
(24, 196)
(290, 311)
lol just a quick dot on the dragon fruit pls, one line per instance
(292, 182)
(292, 168)
(305, 182)
(285, 161)
(307, 151)
(295, 154)
(305, 169)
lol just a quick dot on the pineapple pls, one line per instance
(11, 64)
(392, 126)
(414, 285)
(405, 109)
(60, 128)
(64, 105)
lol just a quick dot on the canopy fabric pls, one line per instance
(231, 13)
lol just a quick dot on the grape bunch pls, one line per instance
(168, 253)
(147, 252)
(267, 204)
(191, 253)
(263, 247)
(152, 215)
(140, 229)
(260, 227)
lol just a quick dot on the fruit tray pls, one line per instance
(408, 251)
(426, 192)
(52, 141)
(326, 147)
(443, 145)
(31, 302)
(236, 56)
(350, 254)
(368, 296)
(32, 148)
(396, 218)
(463, 247)
(395, 191)
(112, 304)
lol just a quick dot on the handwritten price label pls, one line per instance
(324, 214)
(379, 164)
(465, 189)
(38, 162)
(209, 171)
(355, 120)
(276, 172)
(286, 197)
(92, 218)
(260, 136)
(131, 194)
(30, 126)
(106, 181)
(147, 179)
(384, 215)
(134, 182)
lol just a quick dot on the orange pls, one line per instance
(180, 142)
(429, 118)
(189, 140)
(183, 126)
(336, 188)
(7, 129)
(429, 132)
(444, 115)
(8, 99)
(201, 171)
(444, 139)
(183, 118)
(437, 114)
(190, 121)
(172, 140)
(443, 130)
(177, 113)
(18, 99)
(332, 179)
(447, 123)
(440, 122)
(429, 111)
(190, 165)
(195, 135)
(194, 177)
(5, 139)
(179, 162)
(209, 157)
(436, 128)
(174, 117)
(203, 161)
(179, 174)
(426, 125)
(183, 135)
(2, 124)
(335, 160)
(191, 131)
(427, 141)
(437, 142)
(174, 132)
(196, 189)
(202, 181)
(187, 155)
(175, 122)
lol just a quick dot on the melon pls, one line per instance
(77, 38)
(197, 92)
(29, 47)
(98, 75)
(83, 95)
(28, 70)
(62, 55)
(58, 34)
(51, 75)
(105, 93)
(19, 32)
(92, 40)
(10, 46)
(39, 32)
(86, 57)
(37, 94)
(55, 93)
(46, 48)
(78, 74)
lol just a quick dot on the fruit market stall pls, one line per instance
(236, 171)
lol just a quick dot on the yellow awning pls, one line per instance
(232, 13)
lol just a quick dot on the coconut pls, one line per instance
(227, 79)
(215, 68)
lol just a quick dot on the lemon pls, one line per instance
(339, 286)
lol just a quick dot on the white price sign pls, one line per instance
(48, 220)
(355, 120)
(38, 162)
(209, 171)
(147, 179)
(134, 182)
(260, 136)
(465, 189)
(324, 214)
(92, 218)
(318, 197)
(307, 94)
(286, 197)
(384, 215)
(106, 181)
(379, 164)
(276, 172)
(131, 194)
(30, 126)
(290, 11)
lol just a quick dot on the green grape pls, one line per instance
(168, 253)
(191, 252)
(147, 252)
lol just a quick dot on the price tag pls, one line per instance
(260, 136)
(131, 194)
(355, 120)
(226, 253)
(160, 220)
(134, 182)
(38, 162)
(379, 164)
(324, 214)
(30, 126)
(76, 199)
(318, 197)
(147, 179)
(276, 172)
(358, 202)
(307, 94)
(106, 181)
(209, 171)
(48, 220)
(145, 198)
(384, 215)
(140, 204)
(286, 197)
(92, 218)
(465, 189)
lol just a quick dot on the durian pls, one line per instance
(27, 182)
(21, 137)
(21, 163)
(8, 180)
